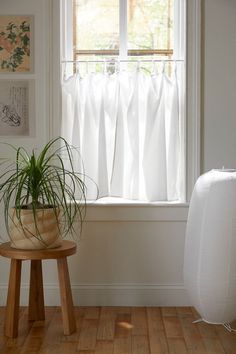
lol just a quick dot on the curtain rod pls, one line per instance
(123, 61)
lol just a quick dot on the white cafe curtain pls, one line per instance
(127, 128)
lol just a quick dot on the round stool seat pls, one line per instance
(66, 249)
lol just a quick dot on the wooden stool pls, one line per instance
(36, 299)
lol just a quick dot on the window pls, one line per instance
(129, 30)
(125, 27)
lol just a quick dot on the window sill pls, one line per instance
(109, 201)
(112, 210)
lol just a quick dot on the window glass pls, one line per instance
(150, 24)
(97, 24)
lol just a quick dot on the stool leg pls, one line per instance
(13, 299)
(36, 299)
(66, 297)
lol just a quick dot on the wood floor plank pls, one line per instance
(60, 348)
(213, 346)
(169, 311)
(229, 345)
(91, 313)
(54, 333)
(155, 320)
(157, 337)
(35, 338)
(88, 335)
(207, 330)
(106, 326)
(122, 345)
(177, 346)
(122, 309)
(140, 345)
(184, 311)
(172, 327)
(104, 347)
(192, 336)
(123, 326)
(139, 321)
(32, 346)
(228, 340)
(158, 343)
(11, 350)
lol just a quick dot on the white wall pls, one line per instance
(219, 135)
(133, 255)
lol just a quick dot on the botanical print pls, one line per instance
(14, 107)
(15, 43)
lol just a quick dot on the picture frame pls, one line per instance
(17, 107)
(16, 44)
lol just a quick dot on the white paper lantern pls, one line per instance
(210, 250)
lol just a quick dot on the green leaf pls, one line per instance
(25, 40)
(25, 27)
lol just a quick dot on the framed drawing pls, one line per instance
(16, 34)
(16, 107)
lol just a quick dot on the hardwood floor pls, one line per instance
(119, 330)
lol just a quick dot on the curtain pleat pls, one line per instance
(126, 127)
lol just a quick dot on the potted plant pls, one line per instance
(39, 193)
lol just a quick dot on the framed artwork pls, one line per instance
(16, 107)
(16, 34)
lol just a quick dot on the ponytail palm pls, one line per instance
(42, 181)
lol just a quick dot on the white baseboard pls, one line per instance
(110, 295)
